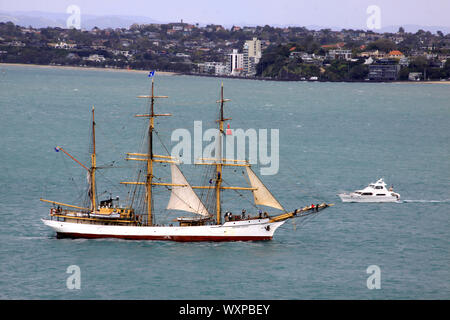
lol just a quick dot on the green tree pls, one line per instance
(358, 72)
(404, 73)
(418, 64)
(446, 68)
(385, 45)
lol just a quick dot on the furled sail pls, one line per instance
(88, 178)
(262, 195)
(183, 197)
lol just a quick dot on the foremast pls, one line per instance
(221, 121)
(220, 162)
(93, 165)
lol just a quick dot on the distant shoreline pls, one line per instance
(423, 82)
(167, 73)
(307, 80)
(87, 68)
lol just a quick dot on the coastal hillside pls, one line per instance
(261, 52)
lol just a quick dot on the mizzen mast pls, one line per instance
(91, 172)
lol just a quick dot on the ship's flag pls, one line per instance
(57, 149)
(151, 73)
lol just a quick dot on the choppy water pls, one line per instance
(333, 137)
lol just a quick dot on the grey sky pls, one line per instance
(331, 13)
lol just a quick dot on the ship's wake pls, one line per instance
(426, 201)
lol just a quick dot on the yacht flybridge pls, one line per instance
(106, 219)
(374, 192)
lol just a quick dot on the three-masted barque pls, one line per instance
(106, 219)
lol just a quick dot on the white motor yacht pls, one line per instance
(374, 192)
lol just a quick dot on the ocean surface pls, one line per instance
(333, 137)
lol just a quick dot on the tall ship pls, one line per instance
(108, 219)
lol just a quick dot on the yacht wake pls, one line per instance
(427, 201)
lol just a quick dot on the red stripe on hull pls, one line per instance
(167, 238)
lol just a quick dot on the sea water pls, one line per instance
(333, 137)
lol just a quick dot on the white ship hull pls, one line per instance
(345, 197)
(245, 230)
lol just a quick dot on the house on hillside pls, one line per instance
(395, 54)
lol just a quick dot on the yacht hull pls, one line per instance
(359, 198)
(246, 230)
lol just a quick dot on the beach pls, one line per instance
(87, 68)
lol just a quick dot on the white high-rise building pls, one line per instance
(235, 63)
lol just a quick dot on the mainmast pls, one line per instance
(148, 185)
(149, 157)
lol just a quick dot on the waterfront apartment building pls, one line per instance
(251, 55)
(384, 70)
(235, 63)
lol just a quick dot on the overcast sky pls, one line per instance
(330, 13)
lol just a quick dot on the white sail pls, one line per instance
(183, 197)
(262, 195)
